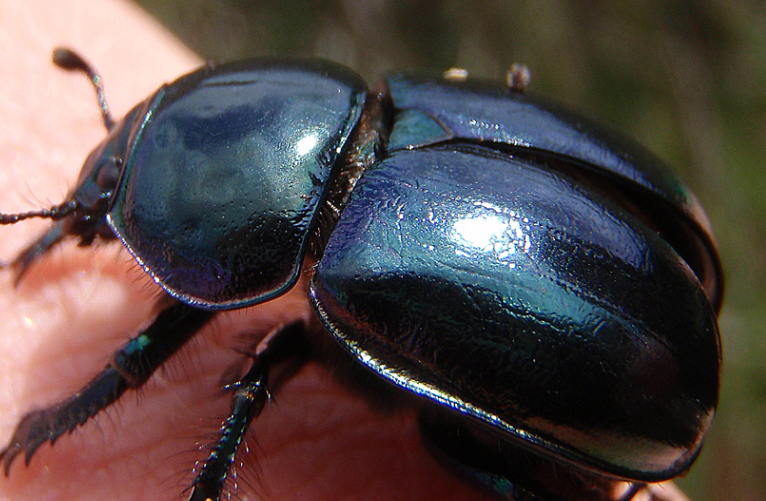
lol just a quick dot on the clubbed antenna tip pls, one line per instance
(70, 60)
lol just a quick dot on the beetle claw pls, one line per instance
(36, 428)
(131, 367)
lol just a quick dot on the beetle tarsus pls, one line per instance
(47, 425)
(131, 367)
(250, 396)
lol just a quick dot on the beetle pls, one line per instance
(543, 290)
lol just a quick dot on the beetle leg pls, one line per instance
(39, 247)
(631, 491)
(130, 367)
(250, 396)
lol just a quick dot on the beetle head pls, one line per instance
(83, 211)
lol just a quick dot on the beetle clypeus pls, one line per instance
(545, 291)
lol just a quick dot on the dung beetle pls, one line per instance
(541, 289)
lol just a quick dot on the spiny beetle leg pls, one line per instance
(287, 343)
(130, 367)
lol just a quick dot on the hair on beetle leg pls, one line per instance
(247, 475)
(244, 478)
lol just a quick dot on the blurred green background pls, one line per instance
(686, 78)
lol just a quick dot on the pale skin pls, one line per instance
(317, 440)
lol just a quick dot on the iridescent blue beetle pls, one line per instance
(546, 289)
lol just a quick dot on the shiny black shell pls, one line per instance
(508, 260)
(501, 293)
(529, 273)
(224, 172)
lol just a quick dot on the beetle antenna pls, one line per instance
(56, 212)
(70, 60)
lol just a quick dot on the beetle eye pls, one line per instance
(109, 173)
